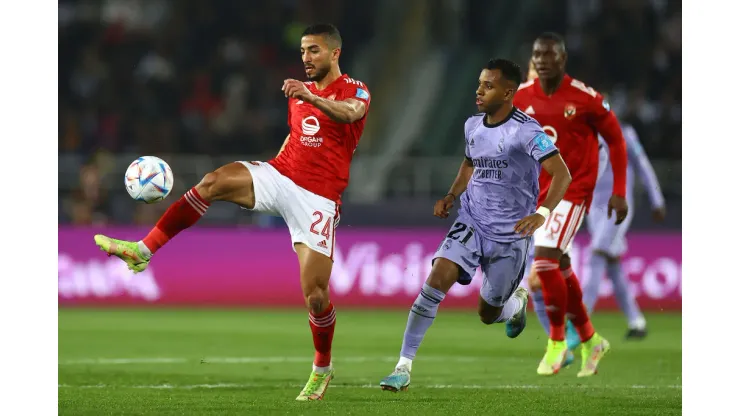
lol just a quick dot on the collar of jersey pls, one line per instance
(330, 86)
(566, 81)
(490, 126)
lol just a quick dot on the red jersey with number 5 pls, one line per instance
(319, 151)
(573, 116)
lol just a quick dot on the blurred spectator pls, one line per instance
(205, 71)
(170, 76)
(629, 50)
(204, 76)
(89, 203)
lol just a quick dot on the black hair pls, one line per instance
(509, 69)
(554, 37)
(328, 30)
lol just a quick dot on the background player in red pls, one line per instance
(573, 114)
(303, 184)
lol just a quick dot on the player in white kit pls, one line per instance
(609, 241)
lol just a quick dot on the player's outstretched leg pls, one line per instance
(421, 316)
(232, 182)
(594, 346)
(626, 299)
(315, 273)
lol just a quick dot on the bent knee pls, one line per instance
(317, 302)
(548, 253)
(489, 314)
(317, 299)
(488, 318)
(208, 186)
(232, 182)
(564, 262)
(609, 258)
(444, 274)
(213, 186)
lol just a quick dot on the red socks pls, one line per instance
(322, 327)
(185, 212)
(555, 294)
(562, 293)
(576, 309)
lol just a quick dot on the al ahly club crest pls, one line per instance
(570, 111)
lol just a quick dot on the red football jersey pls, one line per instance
(573, 117)
(319, 151)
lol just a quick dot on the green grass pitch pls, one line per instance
(254, 362)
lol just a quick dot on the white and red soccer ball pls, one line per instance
(149, 179)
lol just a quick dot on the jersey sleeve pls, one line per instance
(640, 161)
(466, 135)
(357, 90)
(606, 124)
(535, 142)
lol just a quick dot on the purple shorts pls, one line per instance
(502, 263)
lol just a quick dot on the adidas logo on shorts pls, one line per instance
(322, 244)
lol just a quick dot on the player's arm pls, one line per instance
(637, 157)
(443, 206)
(538, 145)
(347, 111)
(608, 126)
(561, 179)
(342, 111)
(463, 177)
(463, 174)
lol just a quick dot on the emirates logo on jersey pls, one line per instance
(570, 111)
(310, 126)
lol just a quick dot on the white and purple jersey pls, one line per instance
(636, 160)
(505, 184)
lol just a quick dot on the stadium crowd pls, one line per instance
(203, 76)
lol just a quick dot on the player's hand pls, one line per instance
(296, 89)
(527, 225)
(533, 281)
(659, 214)
(443, 206)
(619, 205)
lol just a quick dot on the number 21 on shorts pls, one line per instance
(457, 231)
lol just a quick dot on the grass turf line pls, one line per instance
(256, 365)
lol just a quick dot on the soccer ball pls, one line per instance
(149, 179)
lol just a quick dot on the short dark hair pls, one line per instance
(552, 36)
(509, 69)
(325, 29)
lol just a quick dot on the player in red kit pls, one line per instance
(303, 184)
(573, 114)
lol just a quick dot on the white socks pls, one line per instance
(511, 307)
(144, 250)
(404, 362)
(321, 370)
